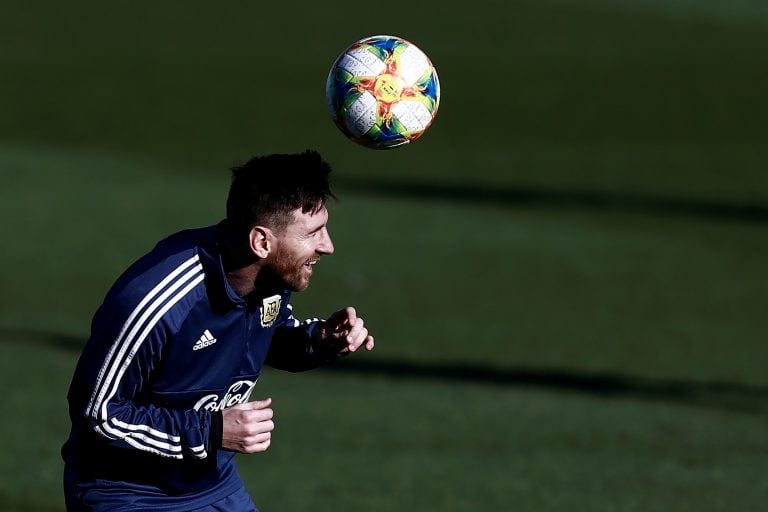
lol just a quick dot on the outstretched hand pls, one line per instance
(344, 332)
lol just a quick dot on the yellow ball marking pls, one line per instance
(388, 88)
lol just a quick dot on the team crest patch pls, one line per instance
(270, 308)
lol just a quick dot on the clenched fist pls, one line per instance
(247, 428)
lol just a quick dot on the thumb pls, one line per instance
(255, 405)
(342, 317)
(261, 404)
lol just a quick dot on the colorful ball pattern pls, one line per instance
(383, 92)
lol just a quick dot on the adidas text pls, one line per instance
(206, 340)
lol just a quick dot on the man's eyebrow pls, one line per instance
(318, 228)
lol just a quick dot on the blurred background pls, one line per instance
(566, 275)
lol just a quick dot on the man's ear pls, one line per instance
(260, 239)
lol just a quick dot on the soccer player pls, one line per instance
(159, 400)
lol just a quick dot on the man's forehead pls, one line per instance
(309, 219)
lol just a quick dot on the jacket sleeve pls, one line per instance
(112, 376)
(293, 348)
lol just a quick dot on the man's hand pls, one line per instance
(247, 428)
(345, 332)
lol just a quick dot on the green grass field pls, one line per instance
(566, 276)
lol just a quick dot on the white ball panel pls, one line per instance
(413, 115)
(361, 62)
(413, 64)
(361, 115)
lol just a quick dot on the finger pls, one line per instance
(259, 428)
(252, 431)
(258, 415)
(358, 340)
(355, 330)
(257, 447)
(257, 439)
(367, 341)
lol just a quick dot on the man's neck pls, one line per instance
(239, 265)
(242, 281)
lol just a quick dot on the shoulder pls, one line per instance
(171, 271)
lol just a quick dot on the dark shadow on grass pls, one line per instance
(730, 397)
(564, 199)
(59, 341)
(719, 395)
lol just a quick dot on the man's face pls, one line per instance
(299, 247)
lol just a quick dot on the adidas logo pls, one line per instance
(206, 340)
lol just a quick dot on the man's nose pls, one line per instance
(326, 244)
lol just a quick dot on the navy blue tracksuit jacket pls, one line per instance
(170, 347)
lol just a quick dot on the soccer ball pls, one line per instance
(382, 92)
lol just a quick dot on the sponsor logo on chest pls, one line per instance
(238, 393)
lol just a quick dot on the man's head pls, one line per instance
(277, 206)
(266, 189)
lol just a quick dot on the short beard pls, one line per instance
(280, 275)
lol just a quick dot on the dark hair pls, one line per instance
(266, 189)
